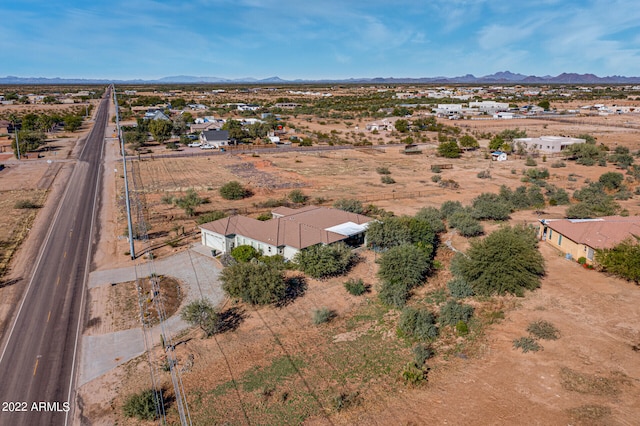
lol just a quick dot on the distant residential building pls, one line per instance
(286, 105)
(209, 125)
(578, 238)
(248, 107)
(215, 138)
(499, 156)
(156, 115)
(550, 144)
(490, 107)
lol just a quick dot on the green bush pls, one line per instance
(622, 260)
(323, 315)
(244, 253)
(543, 330)
(450, 207)
(405, 264)
(421, 353)
(436, 178)
(432, 216)
(355, 287)
(394, 294)
(452, 312)
(210, 217)
(349, 205)
(558, 164)
(255, 283)
(530, 162)
(298, 197)
(526, 344)
(143, 406)
(413, 375)
(582, 260)
(436, 169)
(490, 206)
(167, 199)
(459, 288)
(611, 180)
(466, 225)
(264, 217)
(322, 261)
(485, 174)
(542, 173)
(386, 179)
(383, 170)
(506, 261)
(462, 328)
(418, 324)
(203, 314)
(233, 191)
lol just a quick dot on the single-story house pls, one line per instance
(578, 238)
(156, 115)
(499, 156)
(215, 138)
(201, 127)
(288, 232)
(549, 144)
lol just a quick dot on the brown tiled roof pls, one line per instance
(299, 228)
(601, 233)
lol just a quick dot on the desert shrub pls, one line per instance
(345, 400)
(167, 199)
(432, 216)
(485, 174)
(297, 196)
(506, 261)
(543, 330)
(210, 217)
(143, 406)
(323, 315)
(386, 179)
(25, 204)
(349, 205)
(611, 180)
(383, 170)
(227, 260)
(557, 196)
(459, 288)
(405, 264)
(594, 202)
(466, 224)
(622, 194)
(462, 328)
(394, 294)
(622, 260)
(264, 217)
(490, 206)
(541, 173)
(449, 184)
(527, 344)
(255, 283)
(244, 253)
(421, 353)
(449, 149)
(450, 207)
(436, 178)
(413, 375)
(530, 162)
(436, 169)
(452, 312)
(535, 197)
(322, 261)
(203, 314)
(233, 191)
(582, 260)
(418, 324)
(558, 164)
(355, 287)
(395, 231)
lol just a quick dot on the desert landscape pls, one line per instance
(273, 364)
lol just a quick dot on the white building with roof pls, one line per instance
(549, 144)
(288, 232)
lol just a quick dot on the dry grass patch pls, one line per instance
(592, 384)
(590, 414)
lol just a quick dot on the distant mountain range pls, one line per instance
(503, 77)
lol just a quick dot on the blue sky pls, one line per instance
(147, 39)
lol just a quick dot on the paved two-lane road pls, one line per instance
(37, 363)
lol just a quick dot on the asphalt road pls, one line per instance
(38, 362)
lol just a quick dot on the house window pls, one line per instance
(550, 233)
(559, 240)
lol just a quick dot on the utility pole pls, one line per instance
(132, 251)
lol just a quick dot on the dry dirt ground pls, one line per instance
(279, 368)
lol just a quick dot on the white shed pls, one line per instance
(499, 156)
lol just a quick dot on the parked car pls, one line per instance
(207, 146)
(194, 144)
(192, 137)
